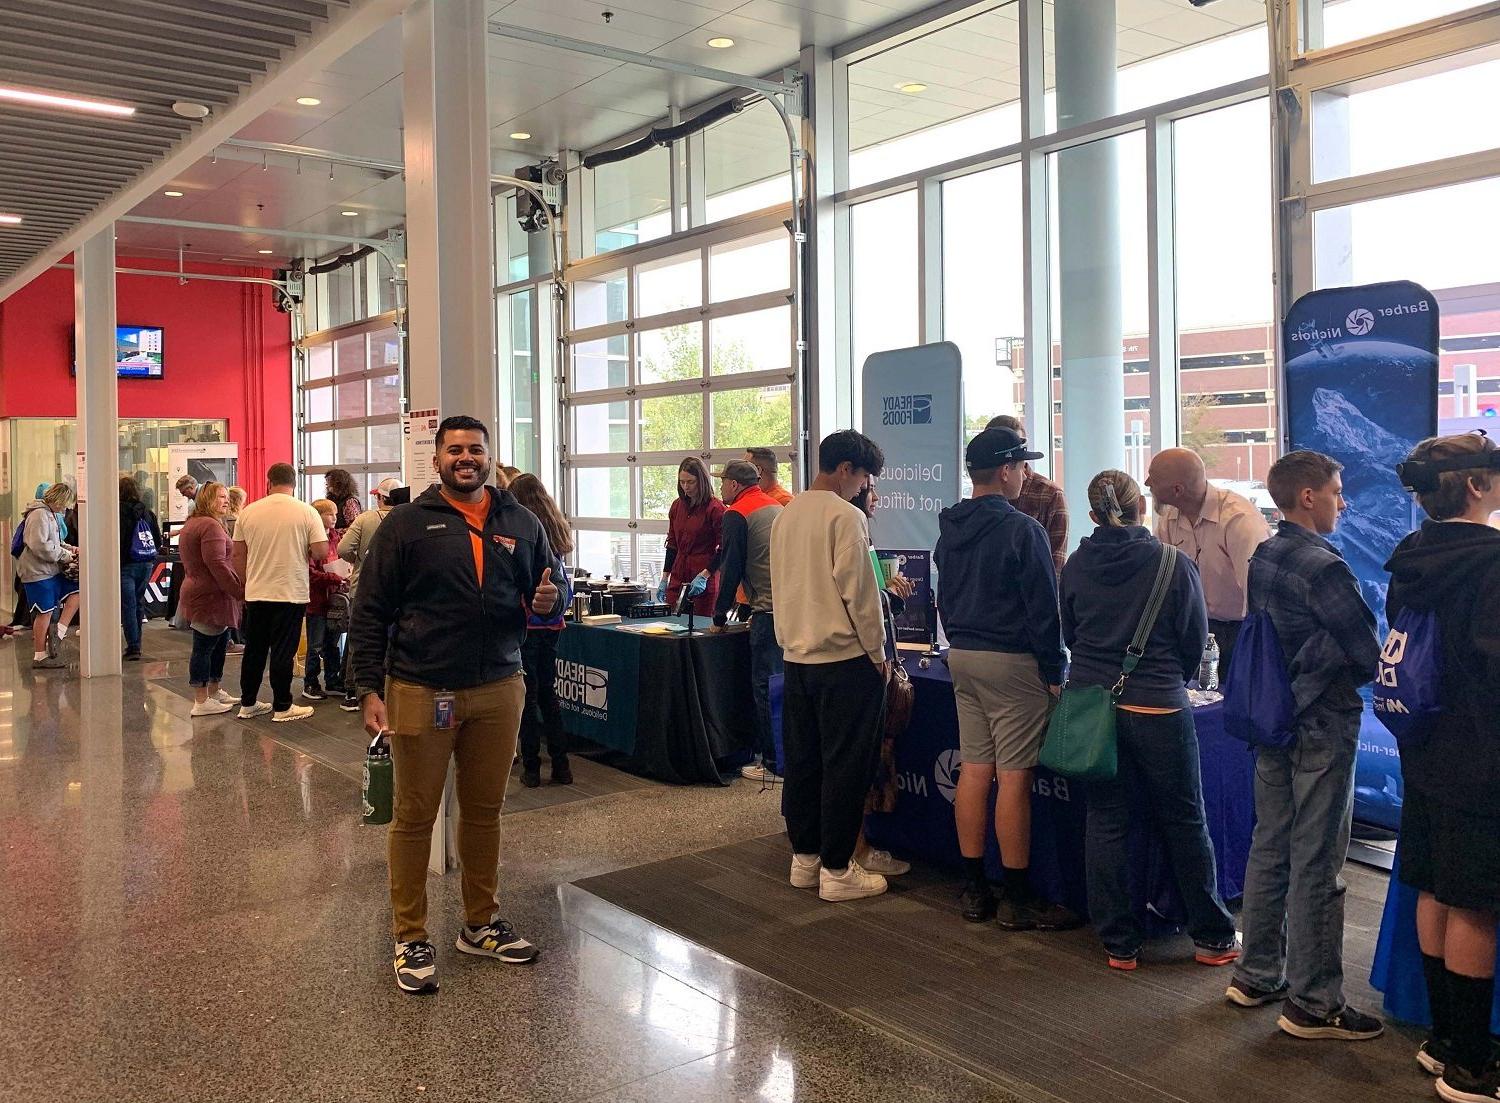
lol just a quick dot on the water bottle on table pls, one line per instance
(1208, 667)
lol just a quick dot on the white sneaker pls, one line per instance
(882, 862)
(210, 707)
(805, 869)
(756, 772)
(852, 884)
(296, 712)
(227, 697)
(250, 712)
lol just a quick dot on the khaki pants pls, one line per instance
(483, 744)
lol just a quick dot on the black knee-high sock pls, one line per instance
(1436, 972)
(974, 868)
(1470, 1000)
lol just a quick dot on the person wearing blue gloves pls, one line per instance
(695, 527)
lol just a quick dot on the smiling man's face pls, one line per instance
(464, 462)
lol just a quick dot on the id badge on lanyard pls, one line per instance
(444, 711)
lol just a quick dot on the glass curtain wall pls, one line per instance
(1392, 177)
(349, 396)
(1106, 199)
(686, 348)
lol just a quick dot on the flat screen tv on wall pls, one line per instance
(138, 352)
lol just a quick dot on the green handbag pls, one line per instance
(1081, 734)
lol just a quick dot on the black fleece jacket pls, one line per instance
(420, 614)
(1453, 570)
(1105, 584)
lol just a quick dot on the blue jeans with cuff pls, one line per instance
(1293, 914)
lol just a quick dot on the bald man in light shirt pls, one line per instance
(1217, 528)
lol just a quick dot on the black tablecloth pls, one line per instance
(676, 708)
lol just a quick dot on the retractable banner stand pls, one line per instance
(1361, 386)
(913, 409)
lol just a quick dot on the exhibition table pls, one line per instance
(1397, 968)
(677, 708)
(922, 826)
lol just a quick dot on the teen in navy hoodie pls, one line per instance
(997, 594)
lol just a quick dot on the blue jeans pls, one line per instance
(1294, 898)
(765, 662)
(206, 666)
(134, 578)
(1158, 762)
(323, 653)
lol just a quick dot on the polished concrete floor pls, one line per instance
(193, 912)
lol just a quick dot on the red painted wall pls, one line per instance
(227, 355)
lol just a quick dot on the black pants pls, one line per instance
(832, 715)
(542, 714)
(1225, 632)
(174, 588)
(272, 629)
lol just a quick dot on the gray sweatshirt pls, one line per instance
(42, 551)
(355, 544)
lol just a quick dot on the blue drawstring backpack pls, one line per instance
(1408, 680)
(1259, 708)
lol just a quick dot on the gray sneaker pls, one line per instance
(497, 939)
(51, 662)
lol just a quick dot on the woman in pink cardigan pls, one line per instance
(211, 597)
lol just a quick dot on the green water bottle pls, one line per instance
(379, 781)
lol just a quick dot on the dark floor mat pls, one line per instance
(1038, 1014)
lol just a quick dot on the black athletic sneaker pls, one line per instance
(562, 773)
(1345, 1024)
(531, 776)
(1459, 1085)
(1035, 914)
(349, 704)
(497, 939)
(1247, 995)
(1434, 1054)
(416, 968)
(977, 903)
(313, 692)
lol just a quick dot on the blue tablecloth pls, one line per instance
(922, 825)
(1397, 969)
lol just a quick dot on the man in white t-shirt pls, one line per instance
(275, 539)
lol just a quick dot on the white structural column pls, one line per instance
(449, 266)
(825, 286)
(1088, 213)
(98, 438)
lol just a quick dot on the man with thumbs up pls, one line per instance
(438, 623)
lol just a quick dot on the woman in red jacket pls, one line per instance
(211, 597)
(694, 525)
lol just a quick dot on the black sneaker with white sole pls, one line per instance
(1434, 1054)
(497, 939)
(1246, 994)
(1459, 1085)
(416, 968)
(1345, 1025)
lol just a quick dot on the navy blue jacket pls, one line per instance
(997, 587)
(1105, 584)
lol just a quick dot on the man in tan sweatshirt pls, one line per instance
(832, 635)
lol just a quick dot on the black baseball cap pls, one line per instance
(995, 447)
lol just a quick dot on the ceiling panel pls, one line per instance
(56, 166)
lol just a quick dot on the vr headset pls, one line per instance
(1422, 476)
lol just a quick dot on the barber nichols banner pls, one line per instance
(913, 409)
(1361, 386)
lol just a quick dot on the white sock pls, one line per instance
(62, 631)
(38, 656)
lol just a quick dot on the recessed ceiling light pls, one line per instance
(71, 103)
(173, 194)
(265, 252)
(721, 43)
(190, 110)
(911, 87)
(10, 220)
(521, 136)
(309, 101)
(349, 214)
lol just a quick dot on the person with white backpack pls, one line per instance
(1437, 689)
(140, 543)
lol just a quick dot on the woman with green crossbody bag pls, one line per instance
(1134, 621)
